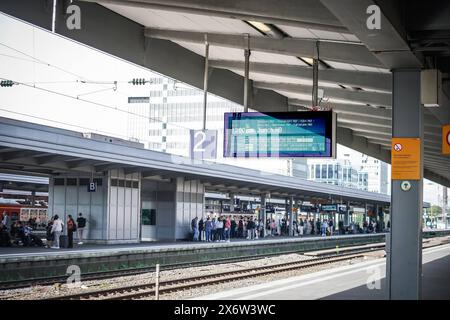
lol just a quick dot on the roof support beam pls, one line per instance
(373, 98)
(343, 108)
(388, 43)
(361, 79)
(300, 13)
(333, 51)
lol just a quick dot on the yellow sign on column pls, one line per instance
(406, 159)
(446, 139)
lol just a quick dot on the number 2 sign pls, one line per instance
(203, 144)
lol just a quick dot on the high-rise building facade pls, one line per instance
(163, 120)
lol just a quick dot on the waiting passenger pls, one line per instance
(324, 228)
(331, 226)
(301, 227)
(7, 222)
(219, 229)
(49, 234)
(194, 227)
(241, 228)
(250, 227)
(5, 238)
(201, 229)
(81, 224)
(233, 232)
(57, 228)
(227, 227)
(214, 230)
(71, 228)
(208, 229)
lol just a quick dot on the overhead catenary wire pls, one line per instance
(92, 102)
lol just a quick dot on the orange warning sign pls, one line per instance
(446, 139)
(406, 159)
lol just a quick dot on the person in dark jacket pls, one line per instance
(208, 229)
(71, 228)
(81, 224)
(201, 229)
(49, 234)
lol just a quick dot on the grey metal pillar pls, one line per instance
(315, 98)
(231, 202)
(444, 206)
(291, 216)
(263, 211)
(205, 81)
(246, 72)
(405, 256)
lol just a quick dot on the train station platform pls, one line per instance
(38, 262)
(348, 282)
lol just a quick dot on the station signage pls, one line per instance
(203, 144)
(309, 134)
(92, 187)
(406, 159)
(446, 139)
(329, 207)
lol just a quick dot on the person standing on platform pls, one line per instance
(240, 228)
(49, 234)
(301, 228)
(194, 227)
(81, 224)
(220, 229)
(201, 229)
(318, 226)
(208, 229)
(331, 225)
(214, 230)
(6, 221)
(227, 227)
(57, 228)
(324, 228)
(71, 228)
(233, 228)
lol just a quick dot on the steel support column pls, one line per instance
(246, 72)
(404, 270)
(263, 211)
(205, 81)
(291, 216)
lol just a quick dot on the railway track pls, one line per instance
(47, 281)
(176, 285)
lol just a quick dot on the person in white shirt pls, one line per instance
(324, 228)
(56, 231)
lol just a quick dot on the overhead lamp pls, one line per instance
(309, 61)
(260, 26)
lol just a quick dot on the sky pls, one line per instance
(69, 85)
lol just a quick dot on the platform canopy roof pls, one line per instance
(168, 36)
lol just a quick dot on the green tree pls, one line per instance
(435, 211)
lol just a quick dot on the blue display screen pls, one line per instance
(279, 134)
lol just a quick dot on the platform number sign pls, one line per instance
(203, 144)
(92, 187)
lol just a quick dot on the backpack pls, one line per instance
(81, 222)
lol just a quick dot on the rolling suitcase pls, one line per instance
(63, 241)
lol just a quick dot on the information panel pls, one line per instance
(406, 159)
(280, 134)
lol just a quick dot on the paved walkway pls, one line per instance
(349, 282)
(19, 251)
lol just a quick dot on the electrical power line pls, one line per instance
(113, 134)
(92, 102)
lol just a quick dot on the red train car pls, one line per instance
(22, 212)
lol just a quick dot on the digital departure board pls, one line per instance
(280, 134)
